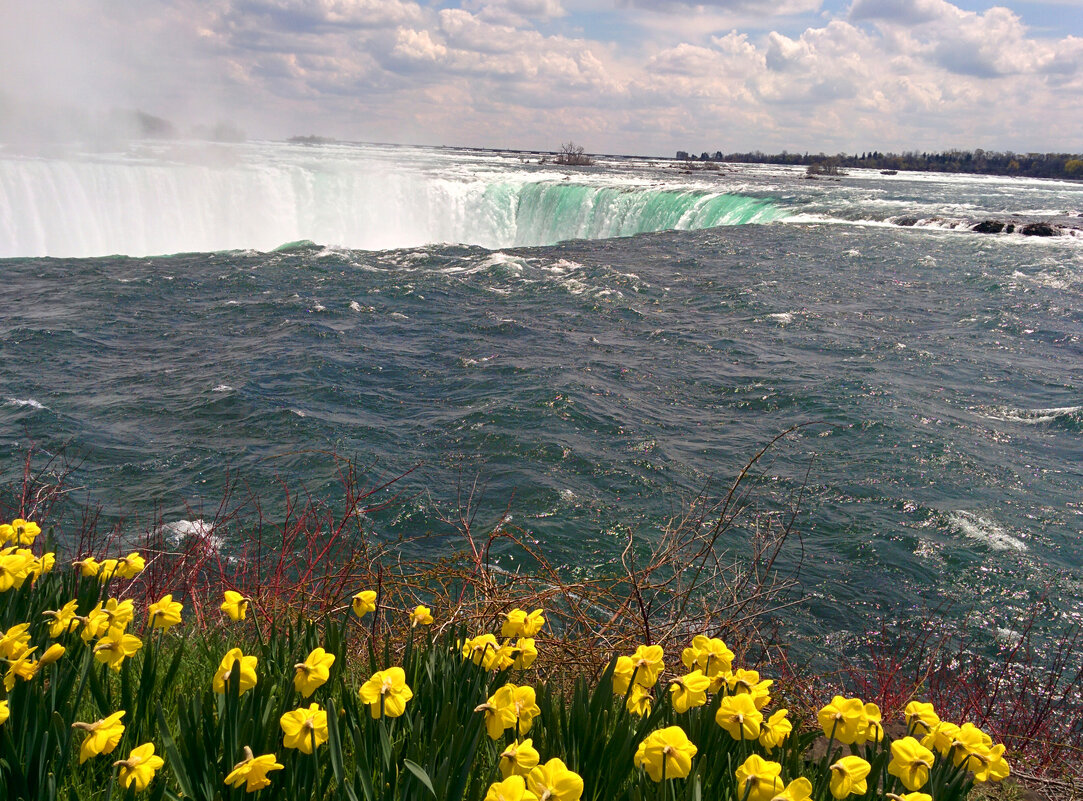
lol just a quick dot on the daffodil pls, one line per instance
(689, 691)
(920, 717)
(911, 762)
(364, 602)
(5, 711)
(313, 672)
(102, 736)
(749, 682)
(15, 567)
(52, 654)
(553, 781)
(666, 754)
(483, 650)
(874, 729)
(989, 764)
(499, 711)
(22, 667)
(519, 758)
(708, 654)
(800, 789)
(738, 715)
(843, 720)
(643, 667)
(386, 693)
(115, 647)
(88, 567)
(848, 776)
(523, 653)
(22, 532)
(519, 623)
(758, 779)
(640, 701)
(165, 613)
(252, 771)
(15, 641)
(421, 616)
(113, 614)
(235, 605)
(43, 565)
(974, 749)
(64, 619)
(941, 736)
(775, 730)
(303, 727)
(513, 788)
(909, 797)
(130, 566)
(107, 569)
(137, 771)
(235, 660)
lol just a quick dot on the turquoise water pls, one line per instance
(594, 384)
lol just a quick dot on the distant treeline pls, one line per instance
(1034, 165)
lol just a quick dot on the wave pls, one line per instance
(24, 402)
(1065, 414)
(79, 207)
(984, 530)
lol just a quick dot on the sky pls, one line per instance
(616, 76)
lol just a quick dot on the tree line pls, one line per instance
(987, 162)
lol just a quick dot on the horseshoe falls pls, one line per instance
(596, 344)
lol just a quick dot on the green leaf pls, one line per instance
(419, 771)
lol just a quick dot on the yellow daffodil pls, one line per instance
(421, 616)
(137, 771)
(483, 650)
(975, 749)
(553, 781)
(758, 779)
(848, 776)
(7, 533)
(236, 660)
(165, 613)
(666, 754)
(524, 705)
(518, 623)
(252, 771)
(513, 788)
(43, 565)
(313, 672)
(775, 730)
(499, 711)
(940, 737)
(737, 714)
(640, 701)
(15, 641)
(130, 566)
(102, 736)
(115, 647)
(235, 605)
(708, 654)
(920, 717)
(52, 654)
(64, 619)
(103, 618)
(22, 667)
(874, 729)
(991, 764)
(303, 726)
(88, 567)
(800, 789)
(107, 569)
(689, 691)
(364, 602)
(909, 797)
(386, 693)
(15, 567)
(5, 711)
(519, 758)
(748, 681)
(844, 720)
(22, 532)
(644, 665)
(911, 762)
(523, 653)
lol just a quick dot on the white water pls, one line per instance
(163, 199)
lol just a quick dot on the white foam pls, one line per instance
(222, 388)
(180, 530)
(783, 318)
(355, 306)
(984, 530)
(1030, 416)
(26, 402)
